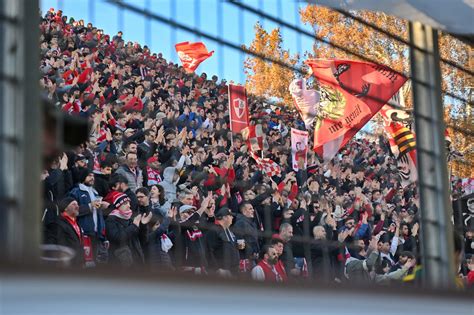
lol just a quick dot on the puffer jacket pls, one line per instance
(135, 181)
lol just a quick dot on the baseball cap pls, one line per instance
(222, 212)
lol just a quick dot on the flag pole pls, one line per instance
(230, 118)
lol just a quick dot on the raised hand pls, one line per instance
(341, 237)
(137, 219)
(206, 201)
(365, 215)
(146, 218)
(63, 162)
(172, 212)
(414, 229)
(373, 243)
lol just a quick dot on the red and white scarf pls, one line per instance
(122, 214)
(154, 176)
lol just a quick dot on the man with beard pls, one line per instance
(90, 217)
(265, 270)
(68, 231)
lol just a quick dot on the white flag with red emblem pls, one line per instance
(238, 108)
(266, 165)
(255, 138)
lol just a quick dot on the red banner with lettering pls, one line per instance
(351, 92)
(192, 54)
(238, 108)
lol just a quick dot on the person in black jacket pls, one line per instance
(102, 178)
(222, 245)
(147, 148)
(143, 196)
(126, 236)
(246, 229)
(159, 243)
(190, 252)
(69, 233)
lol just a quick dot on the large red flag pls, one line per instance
(192, 54)
(238, 108)
(352, 92)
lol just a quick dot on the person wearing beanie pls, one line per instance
(127, 235)
(79, 167)
(90, 217)
(69, 233)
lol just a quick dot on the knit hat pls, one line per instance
(118, 199)
(64, 203)
(83, 173)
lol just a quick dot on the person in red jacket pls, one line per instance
(265, 270)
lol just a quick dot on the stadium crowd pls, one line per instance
(161, 183)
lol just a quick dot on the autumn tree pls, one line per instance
(351, 39)
(265, 78)
(354, 36)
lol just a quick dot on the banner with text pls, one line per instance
(351, 93)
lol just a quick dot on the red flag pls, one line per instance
(192, 54)
(238, 108)
(352, 92)
(255, 137)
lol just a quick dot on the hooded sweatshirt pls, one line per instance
(168, 185)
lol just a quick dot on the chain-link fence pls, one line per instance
(323, 226)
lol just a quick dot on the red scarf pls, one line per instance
(153, 176)
(74, 225)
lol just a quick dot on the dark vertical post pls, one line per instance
(436, 226)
